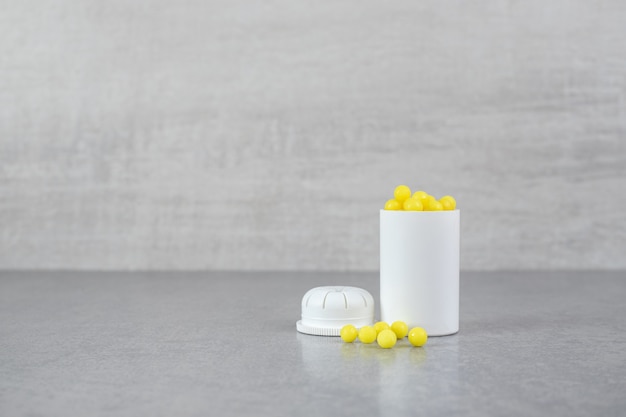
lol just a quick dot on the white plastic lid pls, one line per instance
(325, 310)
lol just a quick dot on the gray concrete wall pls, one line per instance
(267, 135)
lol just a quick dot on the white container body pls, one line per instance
(419, 269)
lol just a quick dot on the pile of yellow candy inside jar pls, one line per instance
(385, 335)
(418, 201)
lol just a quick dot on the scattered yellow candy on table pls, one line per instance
(386, 339)
(418, 336)
(412, 204)
(393, 205)
(349, 333)
(380, 326)
(400, 328)
(401, 193)
(386, 336)
(367, 334)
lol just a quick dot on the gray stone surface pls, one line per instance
(162, 344)
(227, 134)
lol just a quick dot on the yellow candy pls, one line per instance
(419, 201)
(401, 193)
(418, 336)
(412, 204)
(448, 202)
(400, 328)
(421, 196)
(386, 339)
(435, 206)
(393, 205)
(367, 334)
(426, 202)
(349, 333)
(380, 326)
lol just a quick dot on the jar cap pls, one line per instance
(325, 310)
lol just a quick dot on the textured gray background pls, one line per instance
(267, 135)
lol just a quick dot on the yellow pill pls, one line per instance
(446, 204)
(393, 205)
(349, 333)
(386, 339)
(412, 204)
(367, 334)
(400, 328)
(421, 196)
(380, 326)
(449, 202)
(418, 336)
(401, 193)
(435, 206)
(426, 202)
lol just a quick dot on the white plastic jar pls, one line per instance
(419, 269)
